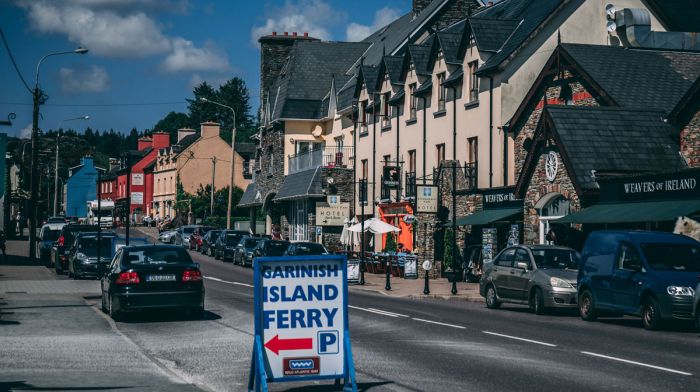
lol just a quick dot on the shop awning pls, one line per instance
(648, 211)
(300, 185)
(489, 216)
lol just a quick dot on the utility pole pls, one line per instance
(128, 196)
(233, 173)
(213, 176)
(99, 214)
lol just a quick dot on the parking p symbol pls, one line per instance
(328, 342)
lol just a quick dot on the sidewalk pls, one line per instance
(413, 288)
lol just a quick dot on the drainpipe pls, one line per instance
(425, 138)
(490, 131)
(455, 252)
(374, 151)
(354, 161)
(398, 132)
(505, 156)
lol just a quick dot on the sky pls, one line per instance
(145, 56)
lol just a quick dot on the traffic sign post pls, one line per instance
(301, 321)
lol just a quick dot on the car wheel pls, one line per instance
(491, 299)
(537, 301)
(114, 313)
(586, 306)
(651, 314)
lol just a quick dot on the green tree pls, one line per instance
(171, 123)
(200, 112)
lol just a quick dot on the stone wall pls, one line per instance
(466, 204)
(271, 139)
(690, 142)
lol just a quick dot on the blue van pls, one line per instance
(641, 273)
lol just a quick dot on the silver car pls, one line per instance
(167, 236)
(540, 276)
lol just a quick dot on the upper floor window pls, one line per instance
(364, 169)
(386, 120)
(413, 101)
(412, 161)
(387, 160)
(441, 91)
(364, 116)
(440, 150)
(339, 142)
(473, 81)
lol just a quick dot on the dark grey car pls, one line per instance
(540, 276)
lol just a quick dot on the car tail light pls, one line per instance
(129, 277)
(61, 240)
(191, 276)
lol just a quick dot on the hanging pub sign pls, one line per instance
(301, 321)
(680, 185)
(426, 198)
(500, 198)
(391, 177)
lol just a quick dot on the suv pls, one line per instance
(641, 273)
(82, 257)
(540, 276)
(59, 252)
(225, 245)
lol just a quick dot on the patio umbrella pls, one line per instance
(375, 226)
(348, 237)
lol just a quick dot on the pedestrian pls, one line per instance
(276, 232)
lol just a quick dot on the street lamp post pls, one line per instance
(233, 157)
(38, 99)
(55, 181)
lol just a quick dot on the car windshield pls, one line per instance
(672, 257)
(188, 230)
(310, 249)
(50, 235)
(555, 258)
(156, 255)
(214, 234)
(251, 242)
(233, 239)
(88, 246)
(275, 248)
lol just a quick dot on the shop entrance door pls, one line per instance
(551, 207)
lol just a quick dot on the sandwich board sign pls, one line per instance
(301, 321)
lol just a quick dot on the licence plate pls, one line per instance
(160, 278)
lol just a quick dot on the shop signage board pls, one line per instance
(488, 242)
(353, 271)
(500, 198)
(426, 198)
(137, 179)
(391, 177)
(301, 321)
(136, 197)
(332, 214)
(409, 267)
(679, 185)
(514, 235)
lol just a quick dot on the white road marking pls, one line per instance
(373, 311)
(637, 363)
(226, 281)
(521, 339)
(387, 312)
(439, 323)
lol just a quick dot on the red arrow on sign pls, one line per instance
(276, 344)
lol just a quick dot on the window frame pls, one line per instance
(442, 91)
(413, 102)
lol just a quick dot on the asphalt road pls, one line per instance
(399, 345)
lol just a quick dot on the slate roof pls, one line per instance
(299, 90)
(393, 66)
(248, 198)
(347, 93)
(420, 54)
(245, 148)
(424, 88)
(301, 185)
(530, 13)
(614, 140)
(491, 34)
(636, 78)
(370, 75)
(454, 77)
(449, 42)
(185, 142)
(397, 98)
(677, 15)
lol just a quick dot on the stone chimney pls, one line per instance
(419, 5)
(183, 133)
(144, 143)
(274, 50)
(160, 140)
(210, 129)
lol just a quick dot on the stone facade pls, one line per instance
(268, 176)
(467, 204)
(690, 142)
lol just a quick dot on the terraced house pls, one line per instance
(422, 116)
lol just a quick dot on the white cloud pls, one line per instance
(186, 57)
(94, 79)
(312, 16)
(384, 16)
(214, 81)
(26, 132)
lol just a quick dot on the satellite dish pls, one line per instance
(318, 131)
(610, 11)
(612, 26)
(427, 265)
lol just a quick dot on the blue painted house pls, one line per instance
(80, 187)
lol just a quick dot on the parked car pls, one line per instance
(195, 242)
(182, 236)
(56, 219)
(208, 242)
(305, 249)
(270, 248)
(82, 256)
(59, 251)
(152, 276)
(696, 306)
(641, 273)
(244, 250)
(167, 236)
(540, 276)
(47, 236)
(225, 245)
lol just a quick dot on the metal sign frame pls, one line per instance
(258, 377)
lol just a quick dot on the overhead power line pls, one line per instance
(9, 52)
(98, 104)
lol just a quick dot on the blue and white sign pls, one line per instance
(301, 321)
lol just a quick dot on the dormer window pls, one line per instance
(386, 120)
(473, 82)
(413, 101)
(441, 91)
(363, 117)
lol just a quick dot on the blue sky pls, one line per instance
(146, 55)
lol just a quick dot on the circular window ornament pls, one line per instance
(551, 165)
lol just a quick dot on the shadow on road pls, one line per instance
(549, 312)
(15, 260)
(166, 316)
(23, 386)
(634, 322)
(363, 386)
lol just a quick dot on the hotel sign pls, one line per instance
(426, 198)
(332, 214)
(679, 185)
